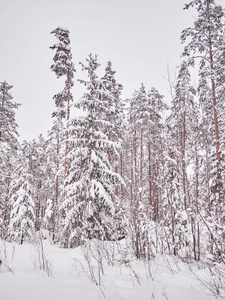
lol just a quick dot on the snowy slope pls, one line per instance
(75, 273)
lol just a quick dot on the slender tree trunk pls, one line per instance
(155, 194)
(206, 144)
(135, 167)
(195, 228)
(183, 149)
(199, 252)
(134, 204)
(215, 112)
(131, 179)
(141, 164)
(194, 239)
(57, 168)
(135, 197)
(149, 176)
(67, 126)
(2, 110)
(121, 173)
(116, 188)
(172, 221)
(131, 189)
(55, 218)
(6, 204)
(109, 158)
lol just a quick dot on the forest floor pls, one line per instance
(101, 271)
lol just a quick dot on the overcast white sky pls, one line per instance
(140, 37)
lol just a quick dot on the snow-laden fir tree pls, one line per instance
(8, 125)
(115, 116)
(55, 174)
(22, 216)
(138, 120)
(114, 111)
(49, 218)
(180, 121)
(8, 164)
(34, 153)
(181, 132)
(155, 139)
(8, 152)
(89, 209)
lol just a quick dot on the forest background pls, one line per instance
(137, 168)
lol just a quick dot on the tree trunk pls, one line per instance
(116, 188)
(121, 173)
(2, 109)
(149, 176)
(183, 146)
(109, 158)
(67, 126)
(141, 164)
(155, 187)
(57, 168)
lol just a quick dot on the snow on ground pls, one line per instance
(75, 273)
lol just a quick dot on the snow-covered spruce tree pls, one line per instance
(49, 219)
(114, 112)
(8, 152)
(182, 109)
(155, 162)
(89, 207)
(22, 216)
(8, 125)
(55, 173)
(172, 192)
(155, 138)
(206, 43)
(34, 153)
(115, 116)
(181, 131)
(63, 66)
(8, 170)
(138, 119)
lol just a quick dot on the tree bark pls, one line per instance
(141, 164)
(149, 175)
(121, 173)
(67, 125)
(183, 146)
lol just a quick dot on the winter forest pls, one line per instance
(147, 172)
